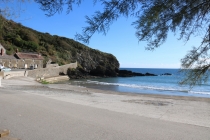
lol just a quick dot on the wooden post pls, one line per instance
(0, 80)
(4, 133)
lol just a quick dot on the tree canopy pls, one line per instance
(154, 20)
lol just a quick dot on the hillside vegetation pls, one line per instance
(60, 50)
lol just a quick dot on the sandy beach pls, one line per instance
(33, 111)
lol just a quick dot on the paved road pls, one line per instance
(33, 117)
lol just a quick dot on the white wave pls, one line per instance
(77, 81)
(90, 81)
(138, 86)
(200, 92)
(151, 87)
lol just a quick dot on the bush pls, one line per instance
(71, 71)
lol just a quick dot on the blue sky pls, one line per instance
(119, 41)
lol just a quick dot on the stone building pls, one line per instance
(20, 60)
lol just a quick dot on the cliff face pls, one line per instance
(98, 63)
(59, 49)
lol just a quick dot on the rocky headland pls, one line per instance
(79, 73)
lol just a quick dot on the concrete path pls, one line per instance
(34, 117)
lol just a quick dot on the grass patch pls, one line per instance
(44, 82)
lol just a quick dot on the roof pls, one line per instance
(20, 55)
(7, 57)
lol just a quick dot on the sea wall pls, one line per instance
(51, 71)
(10, 74)
(51, 65)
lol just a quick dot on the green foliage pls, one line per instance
(71, 71)
(44, 82)
(196, 66)
(30, 46)
(195, 76)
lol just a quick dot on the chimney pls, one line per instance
(2, 51)
(16, 50)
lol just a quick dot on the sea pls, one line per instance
(161, 84)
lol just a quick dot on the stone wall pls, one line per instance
(51, 65)
(51, 72)
(9, 74)
(20, 64)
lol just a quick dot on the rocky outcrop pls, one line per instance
(150, 74)
(167, 74)
(127, 73)
(97, 63)
(79, 73)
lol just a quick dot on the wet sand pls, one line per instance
(56, 111)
